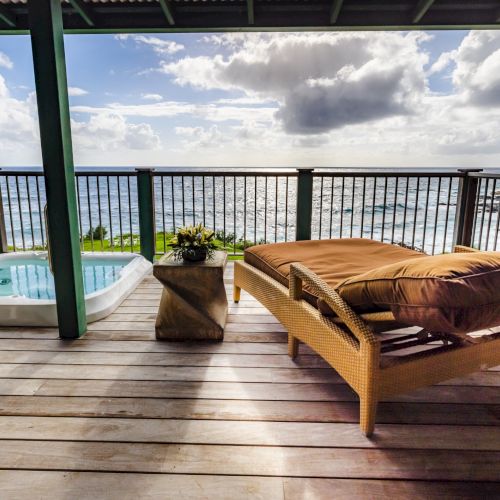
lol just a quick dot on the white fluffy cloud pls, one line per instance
(76, 91)
(169, 109)
(477, 72)
(17, 120)
(107, 132)
(159, 45)
(5, 61)
(152, 97)
(323, 81)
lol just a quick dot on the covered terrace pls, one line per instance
(116, 414)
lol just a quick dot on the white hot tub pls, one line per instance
(27, 295)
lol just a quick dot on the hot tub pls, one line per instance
(27, 295)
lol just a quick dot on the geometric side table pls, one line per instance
(194, 303)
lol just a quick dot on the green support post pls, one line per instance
(466, 208)
(146, 203)
(46, 28)
(304, 203)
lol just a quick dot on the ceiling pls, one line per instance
(99, 16)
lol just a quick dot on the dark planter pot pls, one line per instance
(194, 254)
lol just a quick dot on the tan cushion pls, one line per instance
(443, 293)
(332, 260)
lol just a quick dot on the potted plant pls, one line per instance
(193, 243)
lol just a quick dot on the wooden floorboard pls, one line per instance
(118, 414)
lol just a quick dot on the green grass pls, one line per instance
(131, 243)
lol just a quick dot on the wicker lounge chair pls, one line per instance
(350, 342)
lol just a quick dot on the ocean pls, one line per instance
(419, 213)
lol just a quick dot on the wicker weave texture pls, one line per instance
(352, 347)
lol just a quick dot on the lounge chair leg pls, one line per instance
(236, 293)
(293, 346)
(367, 414)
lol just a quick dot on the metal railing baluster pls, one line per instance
(255, 211)
(373, 205)
(484, 183)
(395, 209)
(363, 200)
(436, 216)
(276, 211)
(40, 210)
(119, 196)
(492, 204)
(18, 195)
(497, 230)
(77, 181)
(384, 209)
(108, 190)
(320, 207)
(89, 207)
(162, 191)
(407, 188)
(447, 215)
(28, 196)
(426, 213)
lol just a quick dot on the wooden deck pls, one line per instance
(120, 415)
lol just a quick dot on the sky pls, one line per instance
(374, 99)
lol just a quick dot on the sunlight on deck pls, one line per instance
(120, 413)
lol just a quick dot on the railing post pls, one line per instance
(146, 203)
(466, 208)
(3, 231)
(304, 203)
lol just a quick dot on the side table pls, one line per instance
(193, 304)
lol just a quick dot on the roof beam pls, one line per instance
(251, 13)
(84, 11)
(335, 10)
(7, 17)
(167, 10)
(420, 10)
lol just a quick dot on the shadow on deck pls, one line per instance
(119, 415)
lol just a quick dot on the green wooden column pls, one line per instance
(146, 204)
(304, 203)
(46, 27)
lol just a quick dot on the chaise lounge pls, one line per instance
(341, 297)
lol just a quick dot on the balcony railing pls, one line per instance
(139, 210)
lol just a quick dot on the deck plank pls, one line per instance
(118, 413)
(224, 432)
(19, 485)
(256, 410)
(444, 465)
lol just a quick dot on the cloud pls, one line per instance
(200, 137)
(463, 141)
(322, 81)
(443, 61)
(5, 61)
(168, 109)
(477, 73)
(161, 46)
(76, 91)
(151, 97)
(18, 128)
(107, 132)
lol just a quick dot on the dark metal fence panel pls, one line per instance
(23, 199)
(243, 209)
(246, 208)
(486, 228)
(417, 210)
(108, 211)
